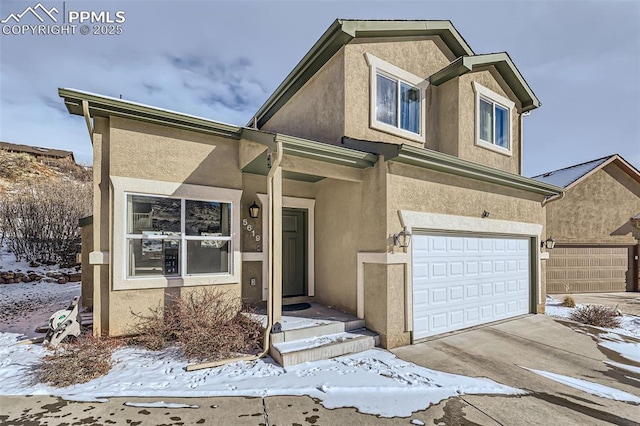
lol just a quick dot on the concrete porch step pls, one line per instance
(321, 347)
(319, 329)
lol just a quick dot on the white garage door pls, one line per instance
(462, 281)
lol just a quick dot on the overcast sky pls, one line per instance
(221, 60)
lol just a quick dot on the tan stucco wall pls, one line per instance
(160, 155)
(101, 224)
(87, 269)
(126, 303)
(420, 56)
(443, 117)
(316, 111)
(148, 151)
(349, 219)
(415, 189)
(597, 210)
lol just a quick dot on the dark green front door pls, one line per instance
(294, 252)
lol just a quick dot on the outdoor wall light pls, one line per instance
(254, 210)
(549, 243)
(402, 239)
(485, 214)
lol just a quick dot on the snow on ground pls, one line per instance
(623, 340)
(159, 404)
(24, 306)
(589, 387)
(374, 381)
(629, 324)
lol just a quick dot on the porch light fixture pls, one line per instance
(254, 211)
(549, 243)
(485, 214)
(402, 239)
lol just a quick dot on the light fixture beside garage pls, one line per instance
(485, 214)
(402, 239)
(549, 243)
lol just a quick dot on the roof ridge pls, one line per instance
(574, 166)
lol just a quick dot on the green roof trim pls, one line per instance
(106, 106)
(505, 66)
(299, 147)
(434, 160)
(340, 33)
(85, 221)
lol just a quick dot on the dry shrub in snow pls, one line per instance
(40, 220)
(207, 324)
(569, 302)
(79, 361)
(599, 316)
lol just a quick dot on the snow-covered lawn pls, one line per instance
(623, 340)
(629, 324)
(374, 381)
(23, 306)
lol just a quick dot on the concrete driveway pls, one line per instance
(538, 342)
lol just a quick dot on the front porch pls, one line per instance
(316, 332)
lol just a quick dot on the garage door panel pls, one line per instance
(582, 269)
(470, 281)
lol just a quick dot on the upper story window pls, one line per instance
(397, 100)
(493, 120)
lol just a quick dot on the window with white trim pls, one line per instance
(493, 119)
(397, 100)
(177, 237)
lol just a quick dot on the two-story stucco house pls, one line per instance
(385, 177)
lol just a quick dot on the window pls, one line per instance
(397, 103)
(397, 100)
(174, 237)
(493, 120)
(172, 234)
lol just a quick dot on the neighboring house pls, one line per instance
(387, 169)
(37, 151)
(595, 227)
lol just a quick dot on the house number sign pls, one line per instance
(251, 231)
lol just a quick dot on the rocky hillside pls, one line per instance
(19, 168)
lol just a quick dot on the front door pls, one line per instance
(294, 252)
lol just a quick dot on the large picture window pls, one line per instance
(177, 237)
(397, 100)
(493, 119)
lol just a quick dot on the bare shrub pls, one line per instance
(40, 220)
(13, 165)
(599, 316)
(569, 302)
(207, 324)
(79, 361)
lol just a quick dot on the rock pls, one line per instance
(19, 275)
(26, 279)
(34, 277)
(8, 276)
(63, 280)
(75, 277)
(34, 264)
(1, 281)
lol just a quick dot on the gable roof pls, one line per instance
(341, 32)
(503, 64)
(572, 175)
